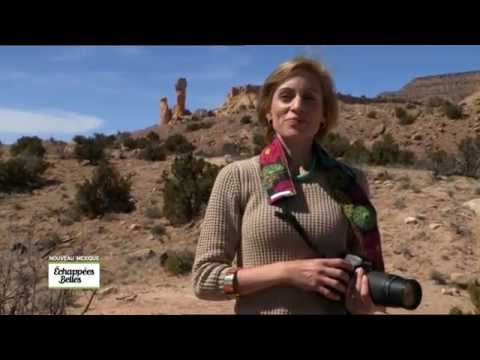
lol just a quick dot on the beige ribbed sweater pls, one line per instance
(240, 227)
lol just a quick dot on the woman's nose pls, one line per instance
(297, 103)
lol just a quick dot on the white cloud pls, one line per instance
(54, 121)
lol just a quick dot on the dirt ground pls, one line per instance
(443, 238)
(439, 246)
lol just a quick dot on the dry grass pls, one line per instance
(399, 203)
(23, 286)
(415, 189)
(18, 207)
(158, 230)
(69, 216)
(153, 212)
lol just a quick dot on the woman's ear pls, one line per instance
(268, 116)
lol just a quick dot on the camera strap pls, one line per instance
(287, 216)
(343, 187)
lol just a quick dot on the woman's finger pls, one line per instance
(365, 293)
(336, 274)
(336, 263)
(334, 284)
(329, 294)
(358, 280)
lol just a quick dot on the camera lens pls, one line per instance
(412, 294)
(394, 291)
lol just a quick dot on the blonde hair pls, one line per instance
(282, 73)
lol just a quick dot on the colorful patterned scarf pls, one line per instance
(343, 188)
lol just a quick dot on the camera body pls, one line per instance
(388, 289)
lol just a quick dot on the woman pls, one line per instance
(278, 225)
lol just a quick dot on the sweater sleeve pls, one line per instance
(220, 236)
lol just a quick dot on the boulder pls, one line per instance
(473, 205)
(411, 220)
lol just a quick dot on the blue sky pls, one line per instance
(62, 91)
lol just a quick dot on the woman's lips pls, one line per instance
(296, 120)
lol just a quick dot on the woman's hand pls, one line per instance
(329, 277)
(358, 300)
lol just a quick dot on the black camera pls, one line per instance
(387, 289)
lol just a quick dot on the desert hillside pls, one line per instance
(430, 224)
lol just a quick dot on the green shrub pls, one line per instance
(153, 152)
(21, 172)
(400, 112)
(441, 163)
(179, 263)
(29, 146)
(188, 188)
(455, 310)
(153, 136)
(404, 117)
(106, 141)
(387, 151)
(435, 102)
(194, 126)
(357, 153)
(130, 143)
(407, 120)
(453, 111)
(91, 149)
(106, 192)
(70, 216)
(135, 143)
(231, 149)
(120, 138)
(336, 145)
(158, 230)
(469, 157)
(178, 143)
(153, 213)
(406, 157)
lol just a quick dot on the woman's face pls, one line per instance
(297, 107)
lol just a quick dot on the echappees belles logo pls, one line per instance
(73, 272)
